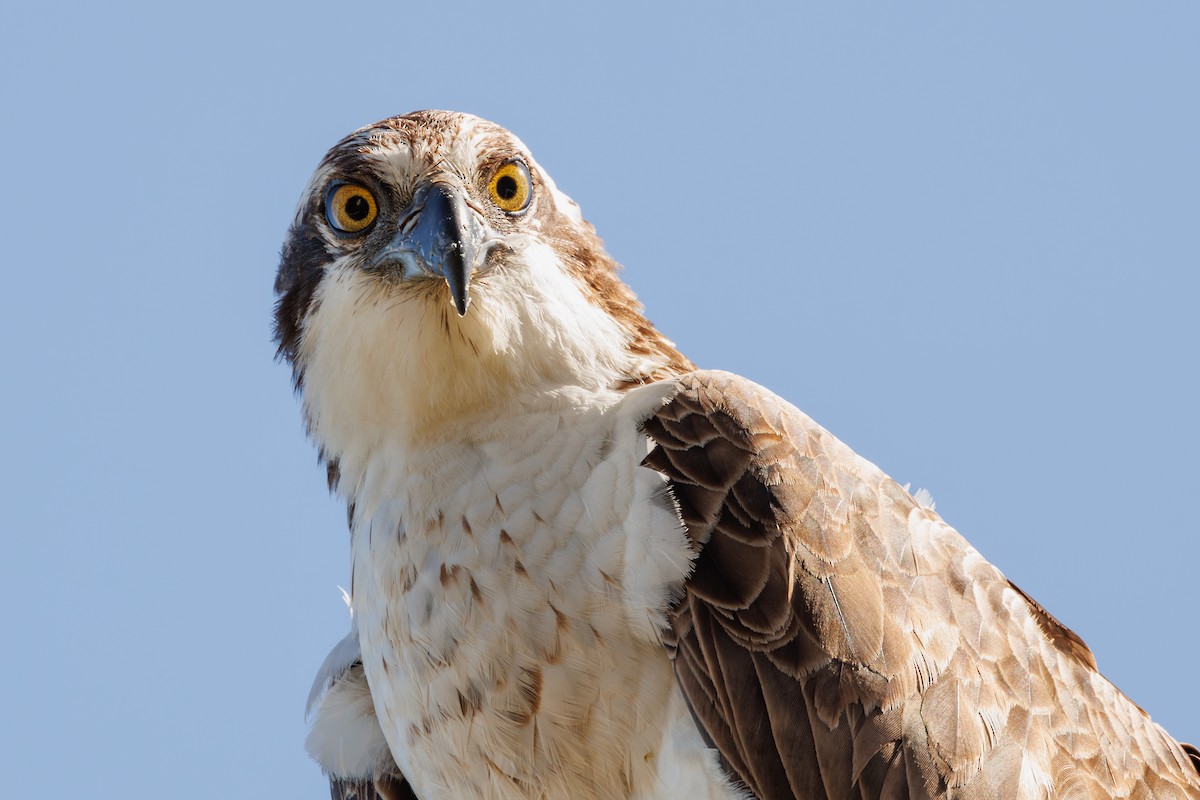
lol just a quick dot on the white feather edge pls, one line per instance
(923, 497)
(341, 658)
(345, 738)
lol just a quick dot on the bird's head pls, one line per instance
(433, 271)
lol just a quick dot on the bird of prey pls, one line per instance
(583, 568)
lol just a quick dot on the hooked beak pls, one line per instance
(439, 236)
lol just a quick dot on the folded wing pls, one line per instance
(837, 639)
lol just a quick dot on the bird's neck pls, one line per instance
(407, 373)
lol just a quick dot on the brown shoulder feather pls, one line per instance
(838, 640)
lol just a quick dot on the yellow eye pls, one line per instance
(510, 187)
(350, 208)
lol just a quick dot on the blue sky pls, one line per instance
(964, 239)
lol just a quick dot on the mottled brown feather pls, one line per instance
(836, 640)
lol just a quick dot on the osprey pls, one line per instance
(582, 568)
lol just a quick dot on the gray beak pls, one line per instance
(439, 235)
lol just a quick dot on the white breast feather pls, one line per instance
(509, 596)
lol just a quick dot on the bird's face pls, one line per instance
(433, 270)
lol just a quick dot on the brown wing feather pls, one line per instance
(837, 640)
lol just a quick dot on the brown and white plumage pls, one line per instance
(579, 563)
(839, 639)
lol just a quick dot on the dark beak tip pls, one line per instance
(444, 239)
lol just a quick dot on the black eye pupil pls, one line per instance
(357, 208)
(506, 187)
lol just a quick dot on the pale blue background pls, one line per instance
(965, 239)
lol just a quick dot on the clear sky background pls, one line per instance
(963, 238)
